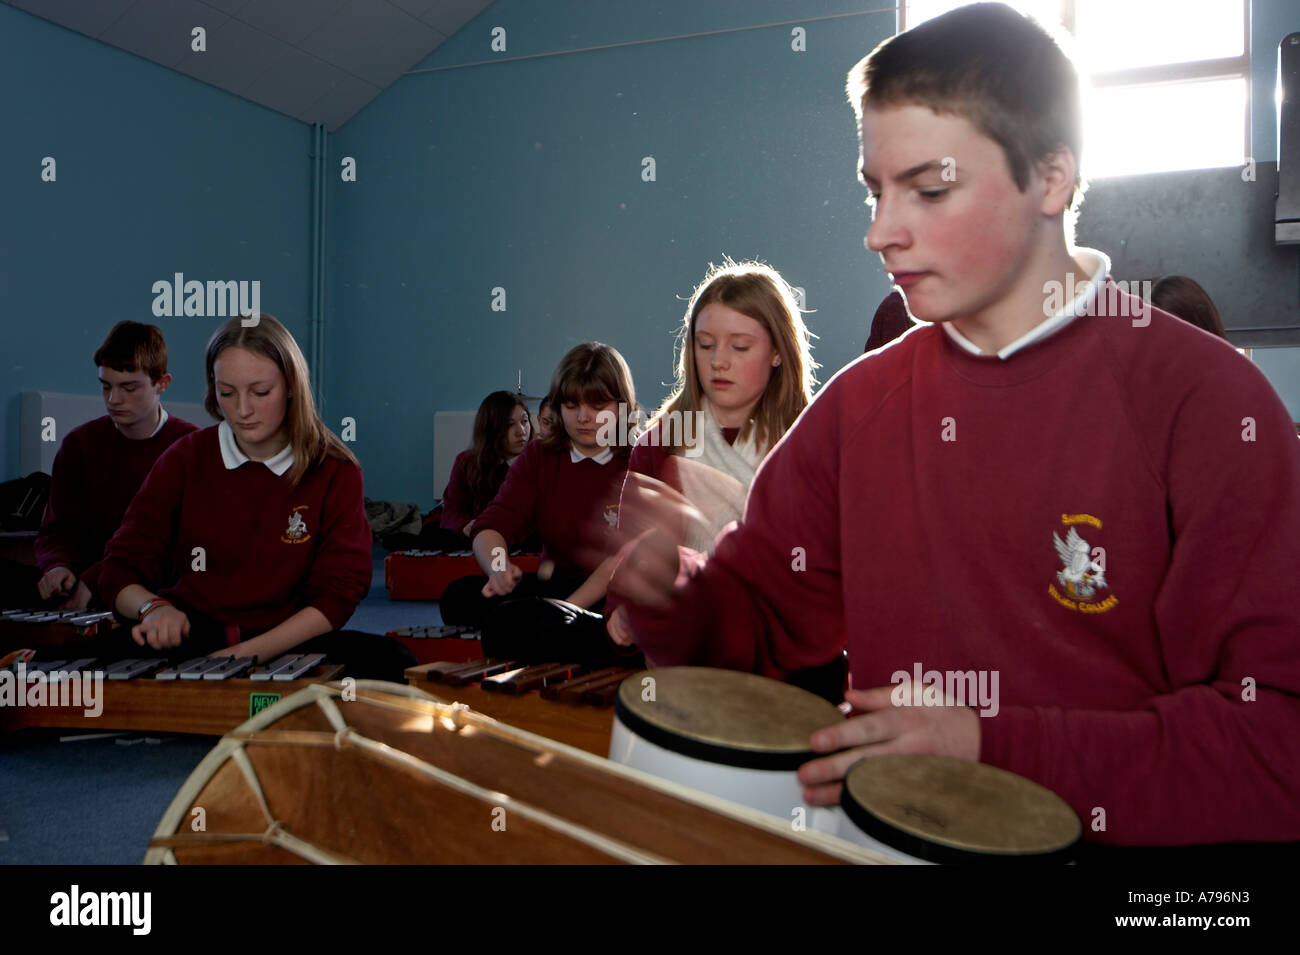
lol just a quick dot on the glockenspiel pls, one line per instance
(206, 695)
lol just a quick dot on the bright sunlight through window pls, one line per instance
(1168, 78)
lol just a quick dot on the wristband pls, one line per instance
(150, 605)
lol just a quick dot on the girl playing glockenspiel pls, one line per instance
(250, 537)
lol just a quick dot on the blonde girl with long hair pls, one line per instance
(744, 374)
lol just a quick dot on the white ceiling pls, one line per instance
(319, 61)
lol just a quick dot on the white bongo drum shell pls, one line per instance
(735, 735)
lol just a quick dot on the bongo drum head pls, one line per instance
(723, 716)
(953, 810)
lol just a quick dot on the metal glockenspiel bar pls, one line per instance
(197, 671)
(173, 673)
(76, 666)
(45, 666)
(132, 668)
(270, 669)
(230, 667)
(298, 667)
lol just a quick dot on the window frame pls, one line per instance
(1220, 68)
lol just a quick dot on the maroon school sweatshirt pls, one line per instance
(269, 549)
(572, 505)
(96, 473)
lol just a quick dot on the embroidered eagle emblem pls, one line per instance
(297, 527)
(1081, 576)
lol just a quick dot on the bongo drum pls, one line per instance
(736, 735)
(941, 809)
(371, 772)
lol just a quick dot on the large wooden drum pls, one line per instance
(737, 735)
(940, 809)
(384, 773)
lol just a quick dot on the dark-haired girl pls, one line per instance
(566, 487)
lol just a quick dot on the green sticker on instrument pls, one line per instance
(260, 701)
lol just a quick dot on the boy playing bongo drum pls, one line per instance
(1085, 497)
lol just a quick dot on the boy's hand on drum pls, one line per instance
(502, 582)
(880, 728)
(162, 628)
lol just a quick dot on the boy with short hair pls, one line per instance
(1086, 497)
(102, 463)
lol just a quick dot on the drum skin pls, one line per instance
(370, 772)
(941, 809)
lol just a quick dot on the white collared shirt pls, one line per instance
(1097, 264)
(162, 420)
(232, 457)
(606, 455)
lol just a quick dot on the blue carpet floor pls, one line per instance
(97, 802)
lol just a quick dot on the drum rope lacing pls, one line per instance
(275, 833)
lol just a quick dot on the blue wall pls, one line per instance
(527, 176)
(157, 173)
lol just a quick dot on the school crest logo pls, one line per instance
(611, 515)
(296, 533)
(1082, 577)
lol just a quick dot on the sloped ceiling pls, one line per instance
(319, 61)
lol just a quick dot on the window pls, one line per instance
(1168, 78)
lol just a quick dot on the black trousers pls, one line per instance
(541, 630)
(463, 603)
(525, 625)
(18, 586)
